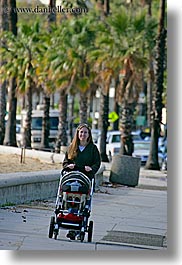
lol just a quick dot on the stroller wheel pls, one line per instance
(55, 234)
(90, 231)
(82, 235)
(51, 226)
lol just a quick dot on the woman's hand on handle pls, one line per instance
(88, 169)
(71, 166)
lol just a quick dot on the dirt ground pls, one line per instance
(11, 163)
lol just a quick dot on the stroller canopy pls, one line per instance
(75, 181)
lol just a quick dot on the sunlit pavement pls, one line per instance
(115, 211)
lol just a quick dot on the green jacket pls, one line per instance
(90, 156)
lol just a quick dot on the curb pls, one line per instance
(111, 243)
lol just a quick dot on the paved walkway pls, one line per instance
(124, 218)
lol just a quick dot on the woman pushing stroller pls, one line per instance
(82, 153)
(73, 203)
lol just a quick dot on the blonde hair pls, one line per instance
(73, 148)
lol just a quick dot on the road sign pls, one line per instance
(113, 116)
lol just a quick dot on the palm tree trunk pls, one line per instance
(46, 99)
(126, 123)
(13, 18)
(3, 85)
(71, 117)
(152, 162)
(156, 117)
(126, 111)
(10, 132)
(106, 7)
(103, 123)
(28, 120)
(149, 92)
(83, 107)
(45, 122)
(2, 111)
(51, 15)
(116, 105)
(151, 71)
(62, 134)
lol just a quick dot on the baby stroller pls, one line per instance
(73, 206)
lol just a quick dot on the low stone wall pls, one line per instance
(23, 187)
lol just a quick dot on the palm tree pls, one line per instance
(83, 42)
(46, 95)
(150, 37)
(50, 57)
(51, 15)
(103, 70)
(45, 121)
(62, 138)
(52, 71)
(120, 46)
(69, 65)
(21, 54)
(103, 7)
(127, 97)
(10, 132)
(156, 116)
(3, 27)
(104, 66)
(131, 35)
(104, 80)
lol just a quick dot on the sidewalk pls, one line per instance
(137, 216)
(131, 216)
(128, 218)
(124, 217)
(148, 179)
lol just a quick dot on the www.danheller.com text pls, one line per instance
(39, 9)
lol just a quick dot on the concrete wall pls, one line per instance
(23, 187)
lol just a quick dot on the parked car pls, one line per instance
(113, 142)
(162, 142)
(141, 146)
(141, 150)
(137, 135)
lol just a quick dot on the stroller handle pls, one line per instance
(76, 168)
